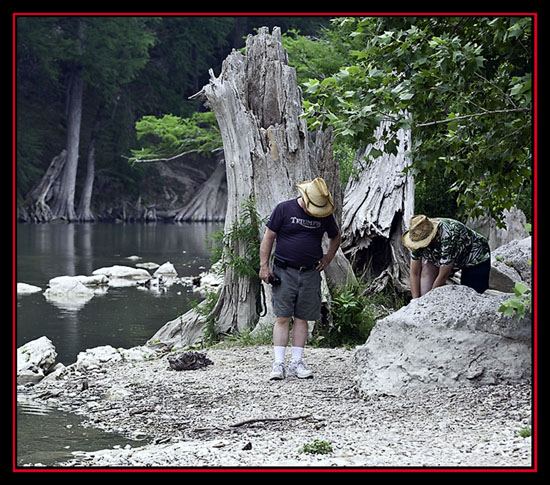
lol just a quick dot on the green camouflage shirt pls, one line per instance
(455, 243)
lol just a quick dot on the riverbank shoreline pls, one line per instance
(229, 414)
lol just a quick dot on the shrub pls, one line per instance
(352, 317)
(318, 447)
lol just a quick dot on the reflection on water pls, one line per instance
(47, 436)
(120, 316)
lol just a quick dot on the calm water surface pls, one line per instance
(121, 317)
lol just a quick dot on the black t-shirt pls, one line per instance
(299, 235)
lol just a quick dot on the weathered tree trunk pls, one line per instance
(84, 207)
(378, 205)
(268, 150)
(36, 208)
(210, 202)
(63, 205)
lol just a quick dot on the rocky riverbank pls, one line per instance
(229, 415)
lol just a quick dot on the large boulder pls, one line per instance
(68, 292)
(120, 276)
(452, 336)
(35, 359)
(510, 263)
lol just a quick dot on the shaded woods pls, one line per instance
(82, 84)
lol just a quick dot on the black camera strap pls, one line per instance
(260, 301)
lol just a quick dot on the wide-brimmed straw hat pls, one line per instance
(317, 198)
(421, 232)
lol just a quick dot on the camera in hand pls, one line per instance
(274, 280)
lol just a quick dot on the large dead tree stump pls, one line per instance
(268, 150)
(378, 204)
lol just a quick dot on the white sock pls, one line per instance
(297, 353)
(279, 352)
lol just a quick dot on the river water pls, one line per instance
(122, 317)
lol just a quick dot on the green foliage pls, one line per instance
(353, 317)
(115, 50)
(239, 247)
(132, 66)
(206, 308)
(317, 57)
(109, 53)
(317, 447)
(248, 338)
(344, 155)
(431, 196)
(187, 47)
(466, 81)
(170, 136)
(519, 304)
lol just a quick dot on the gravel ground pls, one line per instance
(230, 415)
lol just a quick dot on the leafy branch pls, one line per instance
(518, 304)
(454, 76)
(171, 137)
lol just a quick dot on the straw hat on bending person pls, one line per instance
(440, 247)
(421, 233)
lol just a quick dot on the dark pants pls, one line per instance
(477, 277)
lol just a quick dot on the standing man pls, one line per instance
(440, 247)
(298, 225)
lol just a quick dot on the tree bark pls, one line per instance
(268, 150)
(84, 208)
(210, 202)
(36, 208)
(378, 205)
(63, 205)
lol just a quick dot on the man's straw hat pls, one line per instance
(317, 198)
(421, 232)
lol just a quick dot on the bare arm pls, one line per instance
(333, 245)
(444, 273)
(265, 251)
(416, 269)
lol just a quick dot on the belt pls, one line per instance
(284, 264)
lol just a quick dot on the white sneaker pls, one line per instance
(299, 369)
(278, 372)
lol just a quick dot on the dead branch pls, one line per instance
(474, 115)
(259, 420)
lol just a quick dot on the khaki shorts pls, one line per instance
(298, 295)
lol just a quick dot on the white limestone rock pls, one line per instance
(26, 289)
(450, 337)
(35, 359)
(120, 276)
